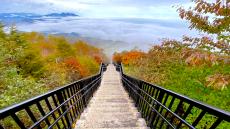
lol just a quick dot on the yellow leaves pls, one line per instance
(218, 81)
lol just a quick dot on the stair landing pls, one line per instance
(111, 107)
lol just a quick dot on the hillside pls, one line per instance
(33, 62)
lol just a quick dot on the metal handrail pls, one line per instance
(58, 108)
(163, 108)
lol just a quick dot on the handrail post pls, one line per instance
(138, 94)
(159, 99)
(62, 100)
(83, 94)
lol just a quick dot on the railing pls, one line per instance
(162, 108)
(59, 108)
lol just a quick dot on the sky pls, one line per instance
(140, 23)
(157, 9)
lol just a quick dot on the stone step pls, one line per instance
(112, 99)
(113, 109)
(122, 128)
(111, 116)
(111, 104)
(107, 123)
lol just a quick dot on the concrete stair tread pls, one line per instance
(122, 128)
(111, 107)
(108, 123)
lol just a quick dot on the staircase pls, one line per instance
(111, 107)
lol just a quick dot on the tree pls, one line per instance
(212, 18)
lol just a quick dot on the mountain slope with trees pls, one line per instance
(31, 64)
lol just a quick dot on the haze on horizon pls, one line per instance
(137, 23)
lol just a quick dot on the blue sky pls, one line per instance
(157, 9)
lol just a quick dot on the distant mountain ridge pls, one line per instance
(61, 14)
(12, 18)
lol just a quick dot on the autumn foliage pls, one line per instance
(128, 57)
(38, 62)
(210, 17)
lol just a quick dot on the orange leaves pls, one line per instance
(117, 58)
(128, 57)
(218, 81)
(131, 56)
(97, 58)
(74, 65)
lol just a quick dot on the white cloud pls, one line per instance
(96, 8)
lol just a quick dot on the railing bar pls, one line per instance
(176, 111)
(10, 111)
(62, 100)
(139, 100)
(69, 108)
(152, 102)
(149, 100)
(29, 112)
(70, 103)
(50, 108)
(185, 122)
(159, 96)
(208, 108)
(72, 90)
(42, 112)
(216, 123)
(198, 118)
(158, 107)
(79, 105)
(145, 104)
(165, 100)
(185, 115)
(18, 121)
(169, 107)
(157, 92)
(59, 112)
(62, 104)
(155, 110)
(64, 113)
(142, 94)
(15, 108)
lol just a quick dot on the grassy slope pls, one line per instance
(189, 81)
